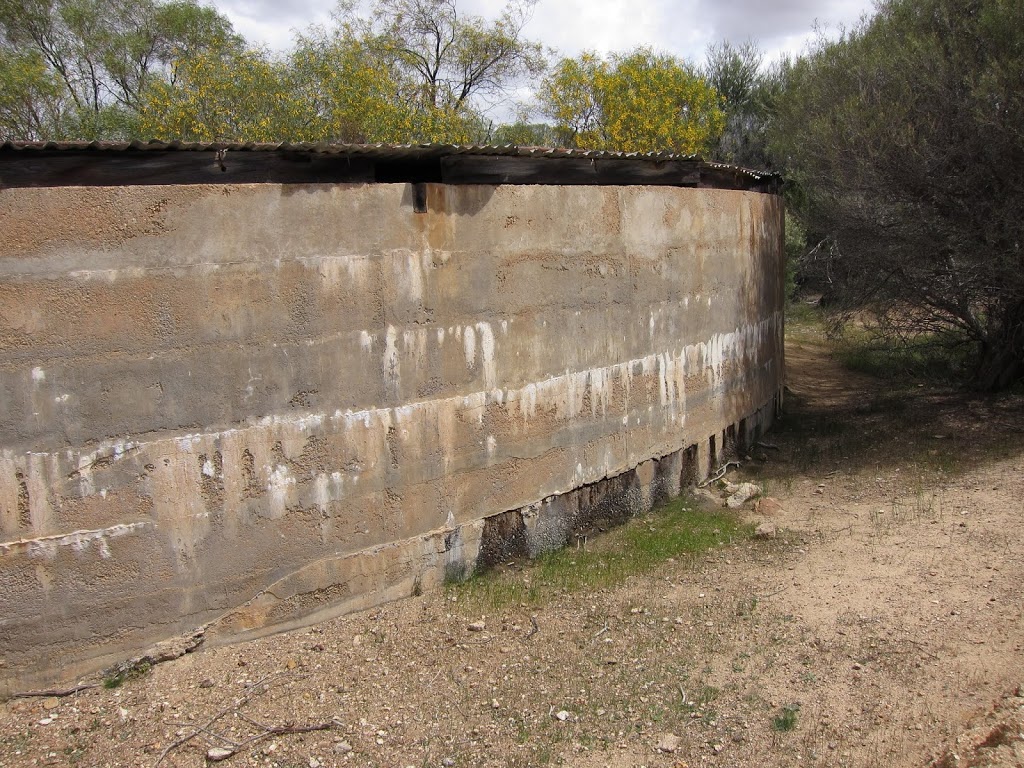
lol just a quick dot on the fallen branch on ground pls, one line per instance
(54, 692)
(205, 727)
(719, 474)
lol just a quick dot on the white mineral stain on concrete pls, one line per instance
(487, 352)
(427, 427)
(411, 277)
(469, 345)
(78, 541)
(391, 363)
(279, 484)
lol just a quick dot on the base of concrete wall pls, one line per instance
(332, 587)
(554, 522)
(335, 586)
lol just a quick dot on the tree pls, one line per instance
(450, 62)
(571, 97)
(97, 57)
(230, 95)
(347, 92)
(907, 136)
(154, 36)
(524, 134)
(328, 88)
(353, 94)
(634, 102)
(748, 91)
(30, 95)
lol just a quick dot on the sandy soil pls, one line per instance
(883, 626)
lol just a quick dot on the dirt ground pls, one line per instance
(883, 626)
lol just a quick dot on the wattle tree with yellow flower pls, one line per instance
(639, 101)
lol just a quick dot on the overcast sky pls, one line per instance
(681, 27)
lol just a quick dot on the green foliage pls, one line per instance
(570, 96)
(905, 134)
(30, 95)
(677, 530)
(748, 93)
(524, 134)
(796, 247)
(785, 721)
(935, 357)
(121, 673)
(228, 95)
(347, 94)
(77, 69)
(353, 92)
(635, 102)
(443, 61)
(408, 72)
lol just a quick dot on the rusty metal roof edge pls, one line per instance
(379, 151)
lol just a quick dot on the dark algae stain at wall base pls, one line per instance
(247, 404)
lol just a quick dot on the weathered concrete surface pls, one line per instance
(257, 405)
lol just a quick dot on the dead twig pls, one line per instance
(771, 594)
(835, 530)
(207, 732)
(535, 630)
(601, 631)
(54, 692)
(280, 730)
(719, 474)
(205, 728)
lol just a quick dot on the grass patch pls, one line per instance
(785, 721)
(933, 356)
(804, 316)
(121, 673)
(677, 530)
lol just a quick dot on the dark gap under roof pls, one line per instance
(104, 163)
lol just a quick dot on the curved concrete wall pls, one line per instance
(253, 406)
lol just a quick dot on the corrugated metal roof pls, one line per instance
(111, 163)
(388, 152)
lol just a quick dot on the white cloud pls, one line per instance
(273, 23)
(682, 27)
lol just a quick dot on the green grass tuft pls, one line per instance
(786, 719)
(128, 671)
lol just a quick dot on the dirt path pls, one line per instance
(884, 624)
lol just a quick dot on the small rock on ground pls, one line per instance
(768, 507)
(669, 742)
(744, 493)
(707, 496)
